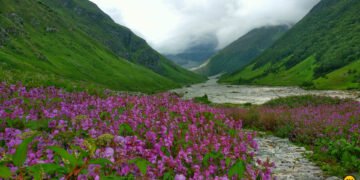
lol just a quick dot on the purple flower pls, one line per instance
(166, 131)
(52, 124)
(180, 177)
(119, 139)
(109, 152)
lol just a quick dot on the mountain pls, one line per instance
(321, 51)
(196, 54)
(243, 50)
(74, 41)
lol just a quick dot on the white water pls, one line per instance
(239, 94)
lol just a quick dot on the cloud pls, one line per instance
(173, 26)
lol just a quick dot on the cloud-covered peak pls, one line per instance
(174, 26)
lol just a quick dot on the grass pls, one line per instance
(297, 75)
(305, 100)
(203, 100)
(245, 75)
(33, 79)
(347, 77)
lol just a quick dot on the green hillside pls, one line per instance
(73, 42)
(322, 51)
(242, 51)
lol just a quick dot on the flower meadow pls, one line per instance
(328, 126)
(49, 133)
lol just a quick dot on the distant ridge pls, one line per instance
(322, 51)
(242, 51)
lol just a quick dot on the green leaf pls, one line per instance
(65, 155)
(121, 110)
(36, 172)
(21, 151)
(5, 172)
(258, 177)
(128, 177)
(165, 151)
(237, 169)
(125, 130)
(49, 169)
(169, 175)
(81, 153)
(53, 168)
(346, 157)
(39, 125)
(334, 152)
(212, 155)
(103, 115)
(142, 164)
(100, 161)
(206, 159)
(228, 161)
(232, 132)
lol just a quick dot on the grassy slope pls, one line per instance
(69, 56)
(329, 35)
(179, 74)
(120, 40)
(68, 53)
(347, 77)
(242, 51)
(296, 75)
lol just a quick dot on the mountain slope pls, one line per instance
(53, 46)
(120, 40)
(242, 51)
(313, 52)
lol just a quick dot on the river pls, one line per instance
(240, 94)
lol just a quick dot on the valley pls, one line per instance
(178, 90)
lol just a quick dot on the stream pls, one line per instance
(240, 94)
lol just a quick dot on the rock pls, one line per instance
(35, 22)
(51, 29)
(13, 31)
(41, 56)
(16, 19)
(333, 178)
(3, 37)
(289, 159)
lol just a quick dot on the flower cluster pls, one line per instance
(174, 136)
(331, 128)
(309, 123)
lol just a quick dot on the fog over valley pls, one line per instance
(173, 26)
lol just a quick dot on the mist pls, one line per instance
(171, 27)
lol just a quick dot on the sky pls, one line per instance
(172, 26)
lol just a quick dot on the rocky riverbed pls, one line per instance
(289, 159)
(240, 94)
